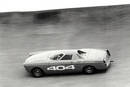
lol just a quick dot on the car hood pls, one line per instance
(38, 58)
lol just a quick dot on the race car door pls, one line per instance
(78, 62)
(62, 64)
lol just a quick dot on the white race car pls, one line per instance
(67, 61)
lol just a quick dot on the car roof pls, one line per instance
(47, 54)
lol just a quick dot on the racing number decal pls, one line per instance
(61, 67)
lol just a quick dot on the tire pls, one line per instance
(89, 70)
(37, 72)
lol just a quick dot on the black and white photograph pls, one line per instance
(60, 43)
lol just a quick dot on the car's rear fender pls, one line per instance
(99, 65)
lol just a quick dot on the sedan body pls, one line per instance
(67, 61)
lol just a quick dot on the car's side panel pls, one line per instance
(62, 67)
(66, 66)
(80, 64)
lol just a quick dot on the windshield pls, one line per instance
(66, 57)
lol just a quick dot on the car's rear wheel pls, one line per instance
(89, 70)
(37, 72)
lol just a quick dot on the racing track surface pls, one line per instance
(99, 27)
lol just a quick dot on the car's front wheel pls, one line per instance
(89, 70)
(37, 72)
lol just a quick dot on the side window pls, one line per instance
(76, 57)
(67, 57)
(57, 57)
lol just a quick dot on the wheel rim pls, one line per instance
(89, 70)
(37, 72)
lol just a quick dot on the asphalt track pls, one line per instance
(16, 41)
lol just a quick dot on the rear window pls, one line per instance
(108, 53)
(80, 52)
